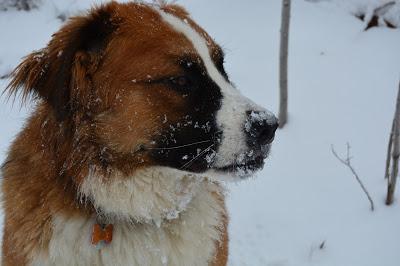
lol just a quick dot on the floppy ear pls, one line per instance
(60, 73)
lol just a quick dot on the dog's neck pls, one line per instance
(153, 195)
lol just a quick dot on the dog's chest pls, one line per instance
(189, 240)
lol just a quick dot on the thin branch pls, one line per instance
(382, 10)
(347, 162)
(395, 152)
(389, 151)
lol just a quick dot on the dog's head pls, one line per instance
(149, 88)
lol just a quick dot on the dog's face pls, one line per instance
(153, 86)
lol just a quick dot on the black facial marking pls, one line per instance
(190, 143)
(219, 60)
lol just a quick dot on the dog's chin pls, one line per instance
(242, 170)
(245, 165)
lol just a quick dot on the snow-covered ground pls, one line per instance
(343, 82)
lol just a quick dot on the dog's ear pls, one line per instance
(73, 53)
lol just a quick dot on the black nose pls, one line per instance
(260, 128)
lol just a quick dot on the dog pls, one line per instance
(136, 124)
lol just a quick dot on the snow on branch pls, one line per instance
(376, 16)
(382, 10)
(347, 162)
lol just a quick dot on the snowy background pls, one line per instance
(342, 87)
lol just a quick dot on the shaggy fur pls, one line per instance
(79, 161)
(133, 110)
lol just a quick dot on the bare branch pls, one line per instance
(382, 10)
(389, 151)
(395, 150)
(347, 162)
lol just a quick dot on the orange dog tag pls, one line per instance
(102, 234)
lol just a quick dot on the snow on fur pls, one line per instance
(342, 87)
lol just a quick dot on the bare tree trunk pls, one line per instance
(395, 135)
(283, 58)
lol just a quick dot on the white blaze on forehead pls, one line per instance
(200, 45)
(231, 116)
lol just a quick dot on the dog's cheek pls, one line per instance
(135, 120)
(118, 130)
(122, 132)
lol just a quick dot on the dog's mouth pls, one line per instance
(246, 164)
(252, 165)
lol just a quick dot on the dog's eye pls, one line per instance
(181, 82)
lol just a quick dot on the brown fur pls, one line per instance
(221, 257)
(222, 247)
(88, 82)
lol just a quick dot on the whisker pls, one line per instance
(180, 146)
(195, 158)
(218, 155)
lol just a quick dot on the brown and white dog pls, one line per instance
(117, 165)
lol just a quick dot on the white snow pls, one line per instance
(367, 7)
(342, 87)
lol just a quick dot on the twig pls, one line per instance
(395, 152)
(389, 151)
(347, 162)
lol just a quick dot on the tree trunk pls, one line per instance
(395, 152)
(283, 58)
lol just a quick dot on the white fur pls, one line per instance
(232, 115)
(152, 195)
(189, 239)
